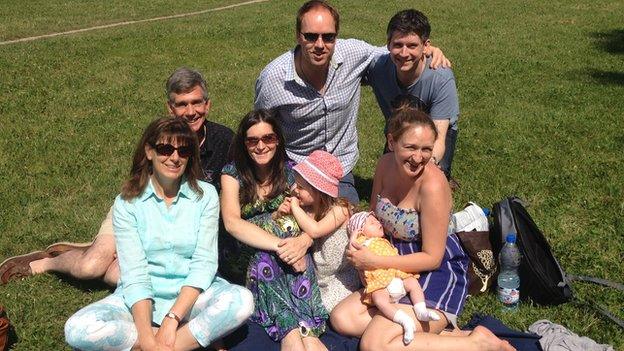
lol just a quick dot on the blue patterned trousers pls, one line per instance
(108, 325)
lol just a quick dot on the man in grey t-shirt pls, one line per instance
(404, 71)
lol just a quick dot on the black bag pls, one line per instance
(541, 277)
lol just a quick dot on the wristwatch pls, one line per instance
(172, 315)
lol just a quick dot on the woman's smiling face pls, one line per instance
(413, 149)
(264, 150)
(170, 167)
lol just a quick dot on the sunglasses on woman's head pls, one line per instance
(168, 149)
(267, 139)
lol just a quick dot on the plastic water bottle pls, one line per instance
(508, 278)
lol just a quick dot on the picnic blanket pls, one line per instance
(251, 337)
(520, 340)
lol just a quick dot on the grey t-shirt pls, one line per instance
(434, 91)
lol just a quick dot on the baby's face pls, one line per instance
(372, 228)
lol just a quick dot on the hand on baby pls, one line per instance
(361, 257)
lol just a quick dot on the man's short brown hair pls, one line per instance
(314, 4)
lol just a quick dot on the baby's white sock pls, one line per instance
(408, 325)
(424, 314)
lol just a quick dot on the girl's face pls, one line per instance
(261, 142)
(413, 149)
(372, 228)
(169, 159)
(306, 194)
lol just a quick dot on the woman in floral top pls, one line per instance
(287, 298)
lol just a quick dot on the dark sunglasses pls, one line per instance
(267, 139)
(313, 37)
(168, 149)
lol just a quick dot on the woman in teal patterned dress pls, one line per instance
(287, 298)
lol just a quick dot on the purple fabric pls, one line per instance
(446, 287)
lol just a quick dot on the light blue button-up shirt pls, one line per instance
(160, 248)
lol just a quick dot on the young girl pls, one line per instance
(322, 215)
(386, 286)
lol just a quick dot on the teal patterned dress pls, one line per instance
(284, 299)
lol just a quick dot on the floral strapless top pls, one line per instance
(400, 223)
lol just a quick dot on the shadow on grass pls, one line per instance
(86, 285)
(364, 186)
(611, 42)
(11, 337)
(607, 77)
(597, 76)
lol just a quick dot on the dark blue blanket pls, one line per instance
(251, 337)
(521, 341)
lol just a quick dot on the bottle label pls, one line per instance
(508, 296)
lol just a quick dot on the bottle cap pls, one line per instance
(511, 238)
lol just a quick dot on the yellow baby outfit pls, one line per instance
(379, 278)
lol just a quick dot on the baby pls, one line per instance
(383, 287)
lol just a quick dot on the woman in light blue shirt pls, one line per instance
(165, 222)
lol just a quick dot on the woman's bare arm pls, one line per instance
(241, 229)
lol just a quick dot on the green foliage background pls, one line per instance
(541, 87)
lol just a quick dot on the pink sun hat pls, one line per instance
(322, 170)
(357, 220)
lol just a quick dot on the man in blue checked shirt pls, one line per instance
(316, 89)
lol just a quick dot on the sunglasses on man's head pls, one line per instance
(313, 37)
(267, 139)
(168, 149)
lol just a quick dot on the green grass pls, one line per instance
(541, 86)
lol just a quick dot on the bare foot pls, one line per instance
(39, 266)
(292, 342)
(313, 344)
(484, 339)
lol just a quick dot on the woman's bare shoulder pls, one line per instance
(434, 182)
(384, 161)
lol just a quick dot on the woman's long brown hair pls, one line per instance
(162, 130)
(246, 166)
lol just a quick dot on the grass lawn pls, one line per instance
(541, 85)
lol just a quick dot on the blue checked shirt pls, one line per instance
(313, 121)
